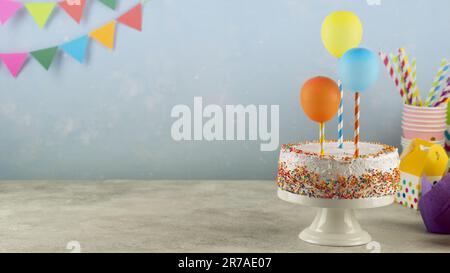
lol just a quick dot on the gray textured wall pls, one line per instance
(110, 118)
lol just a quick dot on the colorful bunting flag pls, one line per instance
(8, 8)
(75, 9)
(105, 34)
(133, 18)
(45, 56)
(76, 48)
(14, 62)
(109, 3)
(40, 11)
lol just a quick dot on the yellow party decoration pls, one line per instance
(40, 11)
(424, 158)
(105, 34)
(420, 159)
(341, 31)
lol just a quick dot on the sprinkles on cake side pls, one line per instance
(337, 174)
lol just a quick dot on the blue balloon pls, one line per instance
(358, 69)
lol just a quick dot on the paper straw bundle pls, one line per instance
(404, 76)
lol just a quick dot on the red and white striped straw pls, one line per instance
(387, 63)
(356, 125)
(406, 76)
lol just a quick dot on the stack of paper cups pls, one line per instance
(427, 123)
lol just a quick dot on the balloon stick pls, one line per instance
(356, 125)
(322, 137)
(341, 118)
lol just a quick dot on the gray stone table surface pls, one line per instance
(182, 216)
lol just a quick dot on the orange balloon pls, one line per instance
(320, 98)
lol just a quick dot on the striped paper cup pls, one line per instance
(425, 109)
(425, 134)
(421, 121)
(427, 126)
(425, 116)
(427, 123)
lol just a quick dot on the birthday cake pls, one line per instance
(337, 174)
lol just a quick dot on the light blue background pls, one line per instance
(110, 118)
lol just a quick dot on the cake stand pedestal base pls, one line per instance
(335, 223)
(335, 227)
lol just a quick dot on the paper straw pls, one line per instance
(341, 118)
(396, 63)
(440, 76)
(442, 101)
(356, 125)
(445, 94)
(322, 137)
(405, 70)
(416, 95)
(387, 63)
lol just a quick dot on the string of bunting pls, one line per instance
(76, 48)
(41, 11)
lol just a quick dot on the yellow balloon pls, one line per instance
(341, 31)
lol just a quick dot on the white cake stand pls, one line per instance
(335, 223)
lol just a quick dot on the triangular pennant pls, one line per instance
(110, 3)
(40, 11)
(76, 48)
(14, 62)
(133, 18)
(7, 9)
(105, 34)
(74, 8)
(45, 56)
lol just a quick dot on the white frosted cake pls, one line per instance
(337, 175)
